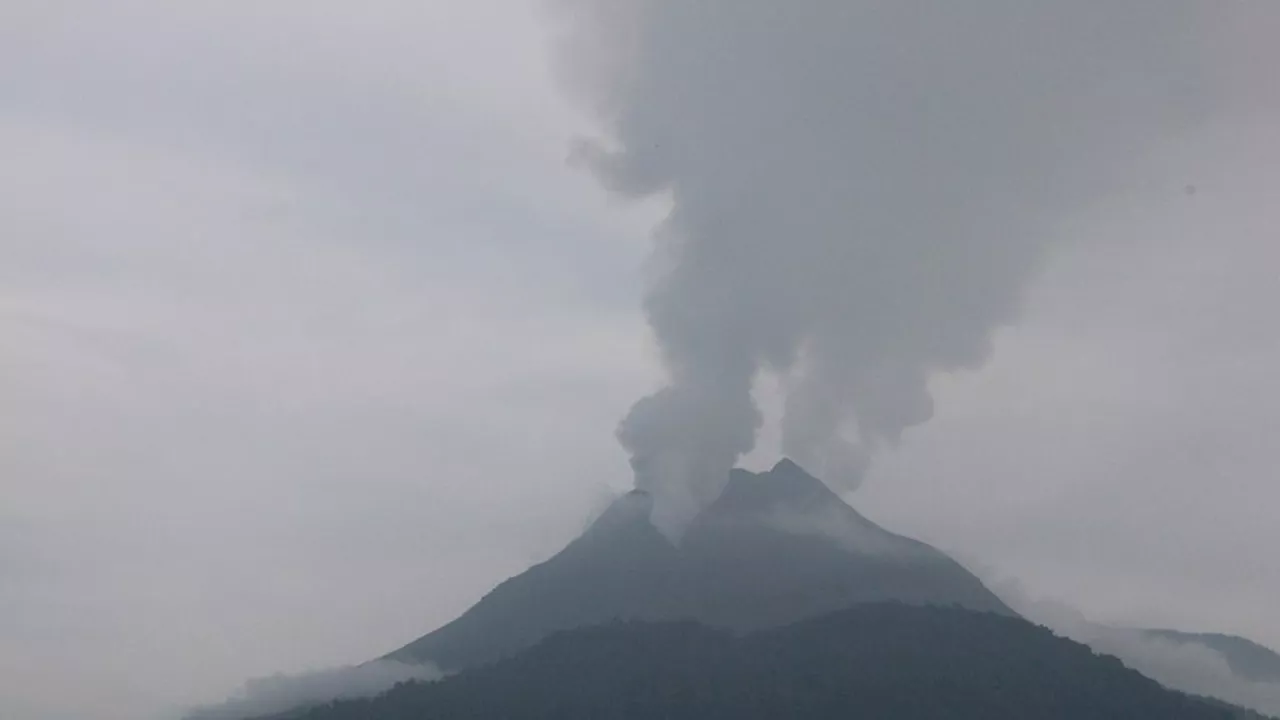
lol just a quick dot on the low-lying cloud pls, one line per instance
(1190, 667)
(279, 693)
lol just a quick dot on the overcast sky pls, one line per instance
(310, 334)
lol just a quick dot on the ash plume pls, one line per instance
(859, 194)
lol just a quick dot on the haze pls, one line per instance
(313, 330)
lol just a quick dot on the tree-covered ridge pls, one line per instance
(873, 661)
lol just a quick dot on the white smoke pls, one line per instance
(860, 192)
(279, 693)
(1189, 667)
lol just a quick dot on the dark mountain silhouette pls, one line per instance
(776, 547)
(873, 660)
(778, 600)
(621, 567)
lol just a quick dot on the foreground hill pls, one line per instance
(775, 547)
(875, 661)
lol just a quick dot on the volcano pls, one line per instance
(774, 548)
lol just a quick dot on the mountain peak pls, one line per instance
(787, 466)
(786, 484)
(775, 547)
(629, 513)
(789, 500)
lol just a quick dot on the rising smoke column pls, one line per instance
(860, 192)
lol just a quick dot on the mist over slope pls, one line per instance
(1246, 658)
(1229, 668)
(285, 694)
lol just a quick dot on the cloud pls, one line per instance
(860, 195)
(260, 337)
(279, 693)
(1189, 667)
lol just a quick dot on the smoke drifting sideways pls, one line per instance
(859, 194)
(268, 696)
(1189, 667)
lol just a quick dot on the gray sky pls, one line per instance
(311, 335)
